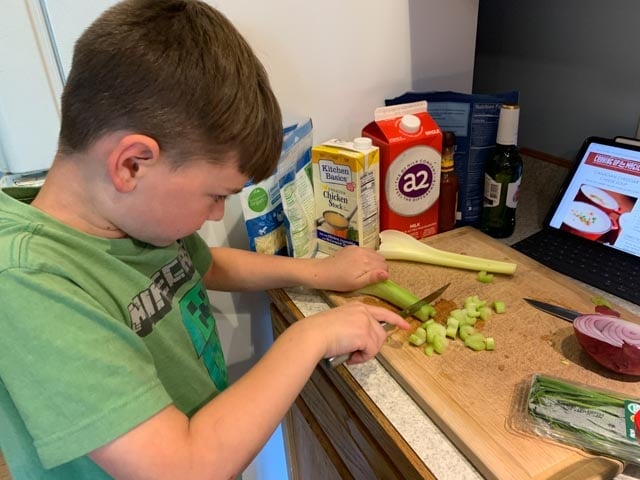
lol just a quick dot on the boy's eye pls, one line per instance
(219, 198)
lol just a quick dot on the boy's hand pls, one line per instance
(353, 328)
(350, 268)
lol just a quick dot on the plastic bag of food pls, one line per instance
(284, 227)
(264, 217)
(597, 420)
(296, 190)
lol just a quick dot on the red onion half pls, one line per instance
(610, 341)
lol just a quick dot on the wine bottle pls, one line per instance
(503, 174)
(448, 199)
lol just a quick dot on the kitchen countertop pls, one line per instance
(425, 438)
(430, 444)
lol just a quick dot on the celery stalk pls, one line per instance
(398, 296)
(396, 245)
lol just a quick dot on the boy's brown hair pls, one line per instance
(179, 72)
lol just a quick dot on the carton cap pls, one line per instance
(362, 143)
(410, 123)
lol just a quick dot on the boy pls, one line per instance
(110, 363)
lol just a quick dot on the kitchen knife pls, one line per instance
(555, 310)
(333, 362)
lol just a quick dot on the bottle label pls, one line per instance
(513, 192)
(492, 190)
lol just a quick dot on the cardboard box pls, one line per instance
(410, 145)
(346, 178)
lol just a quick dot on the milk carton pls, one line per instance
(410, 144)
(345, 182)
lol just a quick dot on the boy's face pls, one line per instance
(171, 204)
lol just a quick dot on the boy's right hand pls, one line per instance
(353, 328)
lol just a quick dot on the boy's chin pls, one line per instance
(161, 243)
(155, 242)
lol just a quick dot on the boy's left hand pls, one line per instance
(350, 268)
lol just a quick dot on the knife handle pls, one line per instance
(333, 362)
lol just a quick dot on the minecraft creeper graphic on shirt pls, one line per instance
(199, 322)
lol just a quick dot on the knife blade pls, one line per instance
(414, 307)
(555, 310)
(333, 362)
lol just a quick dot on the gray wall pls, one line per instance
(575, 63)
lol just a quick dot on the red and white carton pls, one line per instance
(410, 143)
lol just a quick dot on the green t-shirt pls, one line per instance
(96, 336)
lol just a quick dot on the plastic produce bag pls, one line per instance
(594, 419)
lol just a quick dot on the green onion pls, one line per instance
(589, 417)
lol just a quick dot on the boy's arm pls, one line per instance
(227, 433)
(347, 269)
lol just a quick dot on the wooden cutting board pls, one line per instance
(470, 395)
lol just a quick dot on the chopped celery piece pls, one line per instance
(435, 330)
(430, 309)
(484, 277)
(428, 350)
(490, 343)
(465, 330)
(472, 312)
(439, 344)
(476, 342)
(471, 301)
(418, 337)
(485, 313)
(469, 321)
(452, 327)
(421, 332)
(499, 306)
(600, 301)
(427, 323)
(458, 314)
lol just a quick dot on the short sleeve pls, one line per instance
(78, 377)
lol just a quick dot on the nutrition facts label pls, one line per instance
(368, 198)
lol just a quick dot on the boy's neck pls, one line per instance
(73, 198)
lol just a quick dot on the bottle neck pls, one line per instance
(508, 125)
(447, 160)
(506, 147)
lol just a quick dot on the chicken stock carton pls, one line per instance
(346, 176)
(410, 143)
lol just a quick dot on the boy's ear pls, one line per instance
(129, 160)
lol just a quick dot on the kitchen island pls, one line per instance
(359, 422)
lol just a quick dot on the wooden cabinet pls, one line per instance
(334, 430)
